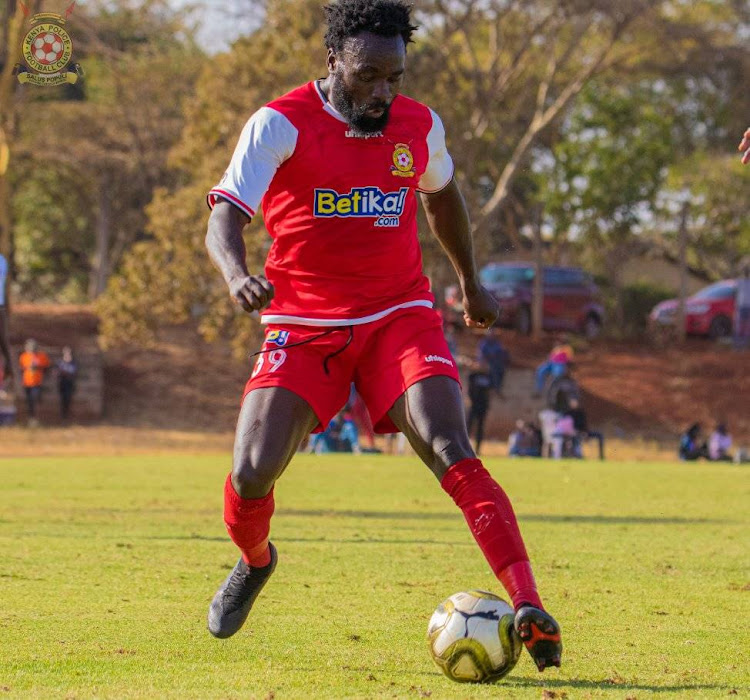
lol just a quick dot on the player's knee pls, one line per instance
(449, 448)
(252, 481)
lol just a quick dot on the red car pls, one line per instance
(708, 312)
(570, 303)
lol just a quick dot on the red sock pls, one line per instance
(490, 517)
(248, 522)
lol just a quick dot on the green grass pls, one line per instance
(108, 566)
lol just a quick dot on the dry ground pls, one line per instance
(183, 394)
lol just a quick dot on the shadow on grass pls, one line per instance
(415, 515)
(611, 685)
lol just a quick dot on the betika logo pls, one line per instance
(371, 202)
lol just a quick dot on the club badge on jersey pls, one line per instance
(403, 161)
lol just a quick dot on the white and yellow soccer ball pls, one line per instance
(472, 638)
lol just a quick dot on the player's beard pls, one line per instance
(356, 116)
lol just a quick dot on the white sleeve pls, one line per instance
(266, 141)
(439, 171)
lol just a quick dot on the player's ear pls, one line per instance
(331, 61)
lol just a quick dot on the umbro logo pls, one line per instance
(351, 134)
(437, 358)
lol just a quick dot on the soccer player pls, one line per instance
(336, 166)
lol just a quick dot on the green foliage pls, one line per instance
(102, 154)
(170, 277)
(719, 226)
(637, 301)
(54, 235)
(643, 564)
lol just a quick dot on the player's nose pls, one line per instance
(382, 92)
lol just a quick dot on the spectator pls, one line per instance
(525, 440)
(6, 364)
(33, 363)
(564, 438)
(580, 423)
(742, 309)
(719, 443)
(562, 391)
(547, 420)
(492, 352)
(449, 332)
(67, 370)
(361, 417)
(556, 365)
(691, 447)
(340, 436)
(8, 409)
(480, 383)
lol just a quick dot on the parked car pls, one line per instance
(708, 312)
(571, 300)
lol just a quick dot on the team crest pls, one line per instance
(403, 161)
(47, 49)
(278, 338)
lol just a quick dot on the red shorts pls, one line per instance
(383, 359)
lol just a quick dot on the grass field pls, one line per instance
(108, 566)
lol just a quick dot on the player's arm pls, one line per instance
(448, 218)
(226, 248)
(745, 147)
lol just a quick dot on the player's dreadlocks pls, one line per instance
(347, 18)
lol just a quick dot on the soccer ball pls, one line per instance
(472, 638)
(48, 48)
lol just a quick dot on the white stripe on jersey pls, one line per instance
(303, 321)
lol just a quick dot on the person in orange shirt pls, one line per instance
(33, 363)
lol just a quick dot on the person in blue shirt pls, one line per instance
(495, 357)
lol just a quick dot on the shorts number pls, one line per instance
(276, 358)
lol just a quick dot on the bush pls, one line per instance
(637, 301)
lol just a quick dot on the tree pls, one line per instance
(608, 171)
(110, 144)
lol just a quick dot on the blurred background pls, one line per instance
(595, 142)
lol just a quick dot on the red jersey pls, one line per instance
(341, 208)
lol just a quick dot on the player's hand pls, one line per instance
(480, 307)
(745, 147)
(252, 293)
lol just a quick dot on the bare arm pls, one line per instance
(449, 222)
(226, 248)
(745, 147)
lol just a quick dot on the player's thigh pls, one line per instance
(271, 425)
(431, 415)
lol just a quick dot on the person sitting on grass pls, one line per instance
(719, 443)
(691, 448)
(525, 440)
